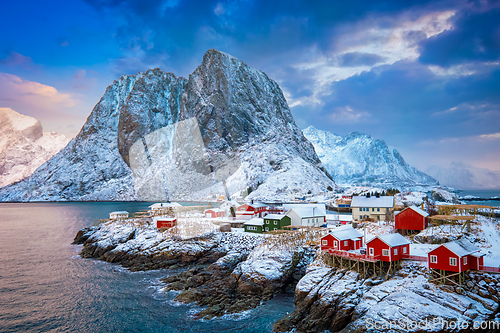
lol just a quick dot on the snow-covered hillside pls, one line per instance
(24, 146)
(155, 136)
(359, 159)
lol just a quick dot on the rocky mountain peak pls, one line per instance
(155, 136)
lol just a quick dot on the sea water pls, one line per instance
(46, 287)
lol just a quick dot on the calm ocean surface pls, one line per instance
(485, 194)
(46, 287)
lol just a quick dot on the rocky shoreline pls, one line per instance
(229, 273)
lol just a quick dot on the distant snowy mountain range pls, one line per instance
(24, 146)
(359, 159)
(465, 176)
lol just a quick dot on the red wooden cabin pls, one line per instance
(249, 211)
(166, 222)
(412, 218)
(346, 239)
(214, 213)
(457, 256)
(389, 247)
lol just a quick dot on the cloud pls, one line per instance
(474, 36)
(492, 136)
(14, 59)
(15, 88)
(358, 59)
(57, 111)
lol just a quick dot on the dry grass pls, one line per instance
(287, 240)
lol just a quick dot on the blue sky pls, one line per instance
(422, 75)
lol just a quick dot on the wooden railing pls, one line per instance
(489, 269)
(353, 255)
(410, 257)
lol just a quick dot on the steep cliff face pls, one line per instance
(358, 159)
(24, 146)
(153, 136)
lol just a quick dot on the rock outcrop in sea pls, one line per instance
(227, 129)
(227, 273)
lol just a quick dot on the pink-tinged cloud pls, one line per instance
(15, 59)
(57, 111)
(15, 88)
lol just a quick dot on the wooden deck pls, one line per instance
(353, 255)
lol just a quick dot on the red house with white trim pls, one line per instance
(457, 256)
(412, 218)
(345, 239)
(165, 222)
(390, 247)
(249, 211)
(214, 213)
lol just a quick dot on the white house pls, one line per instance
(122, 214)
(320, 207)
(306, 216)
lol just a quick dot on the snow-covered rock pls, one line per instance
(24, 146)
(155, 136)
(359, 159)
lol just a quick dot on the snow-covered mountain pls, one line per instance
(24, 146)
(155, 136)
(465, 176)
(359, 159)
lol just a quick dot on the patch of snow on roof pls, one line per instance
(348, 233)
(362, 201)
(420, 211)
(461, 247)
(255, 221)
(393, 239)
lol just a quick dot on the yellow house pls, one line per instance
(376, 208)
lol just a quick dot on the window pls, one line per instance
(385, 252)
(465, 260)
(453, 261)
(378, 209)
(404, 249)
(370, 251)
(395, 252)
(275, 222)
(275, 228)
(373, 209)
(324, 242)
(335, 243)
(267, 221)
(252, 228)
(267, 229)
(434, 259)
(378, 217)
(346, 243)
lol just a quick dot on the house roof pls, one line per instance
(348, 233)
(215, 210)
(418, 210)
(382, 201)
(392, 239)
(119, 212)
(255, 221)
(321, 207)
(274, 216)
(164, 218)
(307, 212)
(461, 247)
